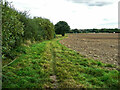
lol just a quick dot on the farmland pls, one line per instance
(34, 55)
(50, 64)
(100, 46)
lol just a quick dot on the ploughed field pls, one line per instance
(99, 46)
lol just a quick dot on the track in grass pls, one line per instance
(52, 65)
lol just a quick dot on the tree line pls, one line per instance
(17, 27)
(104, 30)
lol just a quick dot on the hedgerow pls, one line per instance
(17, 27)
(12, 29)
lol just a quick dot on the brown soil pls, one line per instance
(100, 46)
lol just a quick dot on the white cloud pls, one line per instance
(94, 2)
(77, 15)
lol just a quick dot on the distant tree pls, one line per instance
(62, 27)
(76, 31)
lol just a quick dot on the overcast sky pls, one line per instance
(81, 14)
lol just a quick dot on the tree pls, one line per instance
(62, 27)
(76, 31)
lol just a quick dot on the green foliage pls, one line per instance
(29, 27)
(12, 29)
(62, 27)
(38, 28)
(17, 27)
(74, 31)
(46, 28)
(95, 30)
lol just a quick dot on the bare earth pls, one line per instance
(100, 46)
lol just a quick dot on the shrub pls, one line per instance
(18, 27)
(12, 29)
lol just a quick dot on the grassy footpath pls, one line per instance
(52, 65)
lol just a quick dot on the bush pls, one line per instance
(12, 29)
(18, 27)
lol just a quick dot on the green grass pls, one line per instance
(42, 60)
